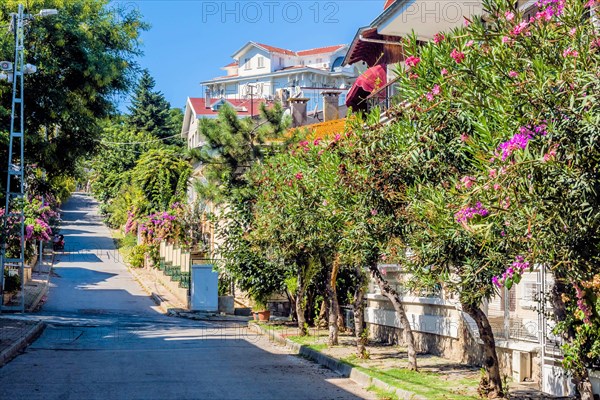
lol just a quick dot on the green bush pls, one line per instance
(137, 256)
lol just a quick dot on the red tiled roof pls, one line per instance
(388, 3)
(231, 64)
(279, 50)
(200, 109)
(320, 50)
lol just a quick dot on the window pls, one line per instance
(247, 63)
(281, 61)
(261, 62)
(319, 60)
(302, 62)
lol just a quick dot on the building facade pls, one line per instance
(267, 72)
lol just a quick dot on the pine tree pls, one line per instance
(150, 112)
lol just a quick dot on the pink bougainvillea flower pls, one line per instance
(457, 55)
(412, 61)
(438, 38)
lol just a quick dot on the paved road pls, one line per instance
(106, 340)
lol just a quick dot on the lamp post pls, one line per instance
(15, 72)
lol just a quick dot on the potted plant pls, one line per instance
(260, 310)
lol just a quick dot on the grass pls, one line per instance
(382, 394)
(311, 342)
(427, 384)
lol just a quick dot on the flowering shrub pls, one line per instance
(491, 162)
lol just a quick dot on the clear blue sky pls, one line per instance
(190, 40)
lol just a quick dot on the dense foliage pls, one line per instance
(85, 58)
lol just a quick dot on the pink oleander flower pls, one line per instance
(374, 212)
(429, 96)
(573, 31)
(492, 173)
(518, 29)
(464, 137)
(551, 154)
(325, 203)
(457, 55)
(413, 76)
(435, 90)
(468, 181)
(509, 16)
(469, 43)
(412, 61)
(502, 233)
(466, 22)
(513, 74)
(337, 137)
(299, 175)
(570, 53)
(444, 71)
(316, 142)
(497, 187)
(506, 39)
(438, 38)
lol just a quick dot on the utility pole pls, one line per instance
(15, 181)
(250, 91)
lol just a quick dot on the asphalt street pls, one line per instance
(106, 339)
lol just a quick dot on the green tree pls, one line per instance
(150, 112)
(162, 176)
(85, 57)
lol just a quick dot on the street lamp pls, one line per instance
(15, 72)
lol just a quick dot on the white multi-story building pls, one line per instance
(266, 72)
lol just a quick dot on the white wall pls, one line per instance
(253, 54)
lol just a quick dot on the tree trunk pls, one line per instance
(333, 302)
(323, 314)
(359, 315)
(300, 317)
(394, 297)
(491, 386)
(292, 300)
(584, 386)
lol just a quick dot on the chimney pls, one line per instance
(299, 113)
(331, 101)
(207, 98)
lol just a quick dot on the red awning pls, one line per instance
(370, 81)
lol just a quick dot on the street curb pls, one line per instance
(44, 291)
(9, 353)
(347, 371)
